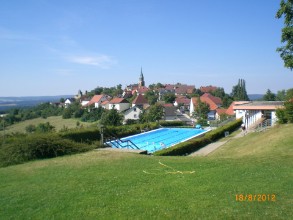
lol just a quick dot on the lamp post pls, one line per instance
(102, 134)
(246, 119)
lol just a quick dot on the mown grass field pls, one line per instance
(57, 121)
(111, 185)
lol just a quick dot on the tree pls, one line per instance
(286, 10)
(239, 91)
(30, 128)
(219, 92)
(112, 117)
(227, 100)
(45, 127)
(269, 96)
(154, 113)
(286, 114)
(93, 114)
(151, 97)
(169, 97)
(289, 94)
(201, 110)
(289, 110)
(281, 95)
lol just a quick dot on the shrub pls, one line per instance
(38, 146)
(172, 123)
(126, 130)
(88, 135)
(281, 115)
(199, 142)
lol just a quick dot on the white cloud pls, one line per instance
(102, 61)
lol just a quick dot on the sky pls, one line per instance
(57, 47)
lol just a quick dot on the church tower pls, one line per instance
(141, 79)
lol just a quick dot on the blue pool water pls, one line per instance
(158, 139)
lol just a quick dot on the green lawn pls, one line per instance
(111, 185)
(57, 121)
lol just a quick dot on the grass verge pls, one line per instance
(57, 121)
(107, 185)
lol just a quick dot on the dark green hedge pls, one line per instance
(38, 146)
(199, 142)
(127, 130)
(85, 135)
(91, 135)
(172, 123)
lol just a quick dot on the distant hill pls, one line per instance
(7, 103)
(253, 97)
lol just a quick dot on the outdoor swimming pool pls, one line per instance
(158, 139)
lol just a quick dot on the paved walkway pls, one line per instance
(208, 149)
(213, 146)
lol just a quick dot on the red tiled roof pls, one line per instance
(190, 91)
(142, 89)
(180, 89)
(230, 110)
(206, 89)
(221, 111)
(212, 101)
(105, 102)
(95, 99)
(183, 100)
(169, 87)
(118, 100)
(140, 100)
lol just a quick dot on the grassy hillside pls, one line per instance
(275, 142)
(57, 121)
(111, 185)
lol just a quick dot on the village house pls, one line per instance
(141, 102)
(183, 103)
(170, 112)
(255, 112)
(213, 102)
(68, 101)
(177, 89)
(207, 89)
(97, 100)
(132, 113)
(119, 104)
(84, 100)
(105, 104)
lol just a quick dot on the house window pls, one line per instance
(135, 116)
(134, 109)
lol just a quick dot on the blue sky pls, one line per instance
(56, 47)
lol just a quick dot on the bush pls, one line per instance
(126, 130)
(38, 146)
(199, 142)
(88, 135)
(172, 123)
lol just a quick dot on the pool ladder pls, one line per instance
(116, 142)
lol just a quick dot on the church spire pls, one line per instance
(141, 79)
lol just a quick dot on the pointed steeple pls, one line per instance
(141, 79)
